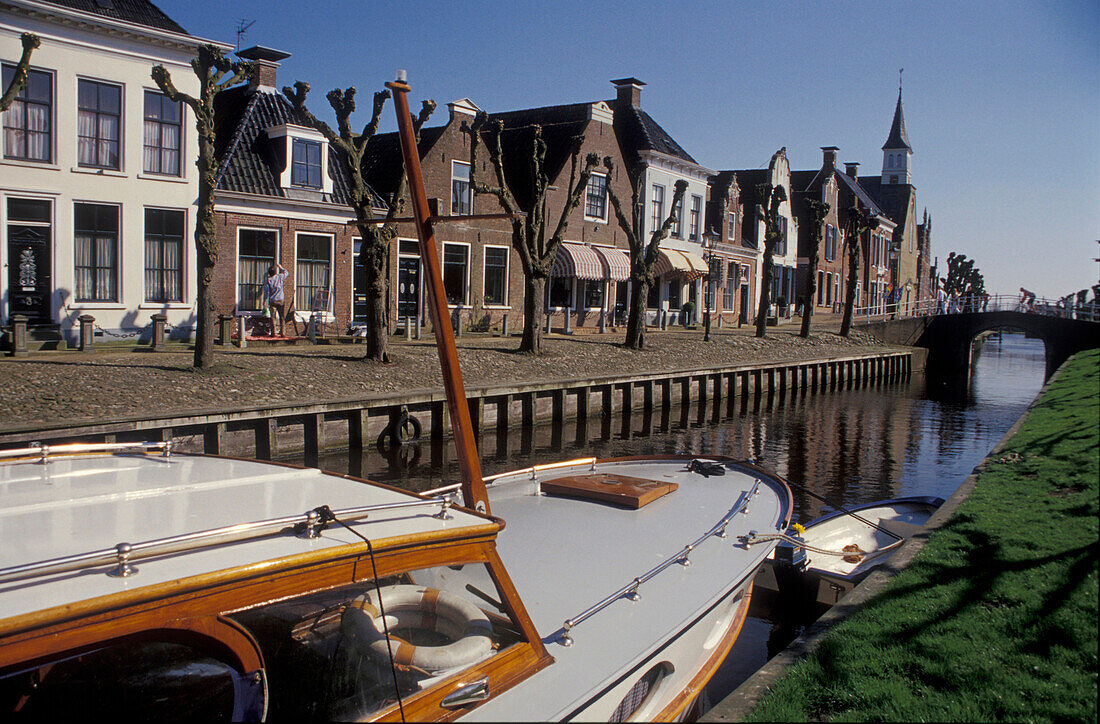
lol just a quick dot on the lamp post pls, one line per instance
(708, 251)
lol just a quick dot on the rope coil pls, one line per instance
(752, 538)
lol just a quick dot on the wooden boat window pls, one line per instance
(326, 655)
(127, 681)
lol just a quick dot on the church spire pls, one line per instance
(896, 152)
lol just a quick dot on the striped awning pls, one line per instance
(577, 261)
(616, 263)
(683, 263)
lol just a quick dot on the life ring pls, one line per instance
(419, 607)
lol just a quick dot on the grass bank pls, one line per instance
(996, 619)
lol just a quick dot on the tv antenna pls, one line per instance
(242, 26)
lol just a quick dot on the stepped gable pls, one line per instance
(716, 213)
(747, 181)
(140, 12)
(247, 158)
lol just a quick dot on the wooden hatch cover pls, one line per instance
(624, 490)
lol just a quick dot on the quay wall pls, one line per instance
(274, 431)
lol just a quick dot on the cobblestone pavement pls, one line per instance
(62, 387)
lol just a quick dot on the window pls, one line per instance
(693, 225)
(593, 294)
(164, 230)
(28, 120)
(163, 126)
(496, 275)
(830, 242)
(255, 254)
(99, 110)
(675, 290)
(731, 286)
(781, 245)
(461, 198)
(820, 288)
(595, 198)
(305, 164)
(96, 240)
(658, 206)
(560, 291)
(653, 298)
(456, 260)
(312, 273)
(678, 219)
(732, 231)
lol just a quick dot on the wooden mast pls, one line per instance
(473, 487)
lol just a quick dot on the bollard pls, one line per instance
(87, 335)
(418, 326)
(456, 321)
(19, 335)
(568, 322)
(548, 322)
(408, 328)
(242, 333)
(311, 328)
(664, 319)
(603, 321)
(225, 329)
(159, 343)
(504, 326)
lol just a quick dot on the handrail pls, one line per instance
(533, 470)
(307, 525)
(44, 451)
(630, 590)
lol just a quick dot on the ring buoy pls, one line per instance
(419, 607)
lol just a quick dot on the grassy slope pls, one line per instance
(996, 619)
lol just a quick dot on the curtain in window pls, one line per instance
(85, 128)
(150, 157)
(38, 132)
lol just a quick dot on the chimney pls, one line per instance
(629, 92)
(852, 169)
(828, 161)
(266, 62)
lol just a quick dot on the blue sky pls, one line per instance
(1002, 99)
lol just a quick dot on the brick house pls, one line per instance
(832, 259)
(734, 262)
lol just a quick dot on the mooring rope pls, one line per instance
(757, 538)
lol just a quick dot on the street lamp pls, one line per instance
(708, 254)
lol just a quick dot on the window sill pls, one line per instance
(165, 305)
(497, 306)
(99, 172)
(86, 306)
(323, 316)
(44, 165)
(168, 179)
(595, 219)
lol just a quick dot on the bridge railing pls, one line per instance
(994, 303)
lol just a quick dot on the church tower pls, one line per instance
(897, 153)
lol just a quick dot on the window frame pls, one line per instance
(677, 230)
(596, 198)
(485, 275)
(181, 257)
(458, 207)
(306, 167)
(275, 257)
(96, 141)
(443, 263)
(112, 268)
(693, 217)
(23, 101)
(159, 149)
(300, 285)
(658, 206)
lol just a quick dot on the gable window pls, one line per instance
(305, 165)
(658, 206)
(96, 252)
(99, 110)
(496, 275)
(28, 120)
(595, 198)
(830, 242)
(678, 219)
(312, 273)
(461, 196)
(781, 245)
(163, 126)
(164, 230)
(731, 232)
(693, 225)
(255, 254)
(456, 262)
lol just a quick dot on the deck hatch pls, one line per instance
(624, 490)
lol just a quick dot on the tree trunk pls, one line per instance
(765, 294)
(635, 325)
(534, 295)
(206, 258)
(850, 293)
(810, 294)
(377, 331)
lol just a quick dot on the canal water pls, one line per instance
(850, 445)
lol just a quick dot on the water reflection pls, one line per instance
(849, 445)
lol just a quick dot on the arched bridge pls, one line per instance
(949, 337)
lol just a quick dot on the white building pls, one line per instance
(97, 174)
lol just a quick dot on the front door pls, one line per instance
(30, 277)
(408, 287)
(743, 317)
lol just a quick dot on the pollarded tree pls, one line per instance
(529, 231)
(643, 253)
(771, 197)
(215, 73)
(818, 211)
(376, 233)
(858, 222)
(19, 78)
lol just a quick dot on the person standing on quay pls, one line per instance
(273, 292)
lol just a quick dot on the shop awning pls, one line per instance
(684, 263)
(577, 261)
(616, 263)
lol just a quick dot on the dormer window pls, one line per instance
(301, 157)
(306, 163)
